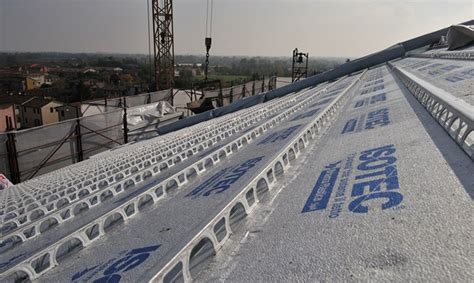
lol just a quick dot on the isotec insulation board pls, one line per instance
(159, 234)
(453, 76)
(386, 196)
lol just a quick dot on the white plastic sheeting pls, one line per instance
(143, 121)
(56, 145)
(160, 95)
(147, 114)
(110, 104)
(35, 145)
(151, 130)
(88, 109)
(101, 132)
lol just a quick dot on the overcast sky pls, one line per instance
(241, 27)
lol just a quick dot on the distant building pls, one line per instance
(51, 93)
(69, 111)
(117, 91)
(111, 91)
(11, 107)
(188, 65)
(7, 111)
(48, 80)
(38, 111)
(89, 70)
(94, 85)
(187, 70)
(38, 68)
(34, 81)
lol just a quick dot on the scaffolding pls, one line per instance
(27, 153)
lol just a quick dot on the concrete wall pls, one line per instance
(49, 113)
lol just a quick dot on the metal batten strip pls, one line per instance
(453, 114)
(456, 55)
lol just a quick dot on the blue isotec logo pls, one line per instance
(376, 178)
(112, 270)
(222, 180)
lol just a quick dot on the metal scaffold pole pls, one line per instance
(12, 153)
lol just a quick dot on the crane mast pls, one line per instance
(163, 42)
(208, 38)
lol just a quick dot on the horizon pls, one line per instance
(244, 28)
(143, 54)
